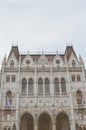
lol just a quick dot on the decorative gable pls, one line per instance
(27, 61)
(73, 61)
(58, 61)
(12, 61)
(43, 60)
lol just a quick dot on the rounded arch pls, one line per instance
(62, 121)
(44, 122)
(27, 122)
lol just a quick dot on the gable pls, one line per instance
(58, 61)
(27, 61)
(12, 58)
(73, 58)
(43, 60)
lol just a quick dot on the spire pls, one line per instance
(81, 60)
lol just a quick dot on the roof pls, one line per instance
(14, 50)
(69, 50)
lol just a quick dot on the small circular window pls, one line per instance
(28, 62)
(57, 61)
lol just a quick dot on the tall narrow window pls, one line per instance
(13, 78)
(47, 86)
(8, 99)
(30, 86)
(73, 63)
(14, 127)
(73, 78)
(12, 63)
(63, 85)
(40, 86)
(56, 86)
(7, 78)
(79, 97)
(78, 78)
(24, 86)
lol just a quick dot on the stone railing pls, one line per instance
(75, 69)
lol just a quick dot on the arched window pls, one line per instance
(63, 85)
(40, 86)
(78, 78)
(56, 85)
(8, 99)
(12, 63)
(73, 63)
(24, 86)
(79, 97)
(47, 86)
(7, 128)
(14, 127)
(30, 86)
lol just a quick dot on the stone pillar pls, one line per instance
(35, 84)
(51, 85)
(35, 122)
(53, 122)
(53, 126)
(35, 125)
(72, 125)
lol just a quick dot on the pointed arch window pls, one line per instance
(47, 86)
(30, 86)
(24, 86)
(63, 85)
(73, 63)
(7, 128)
(12, 63)
(79, 97)
(40, 86)
(56, 85)
(14, 127)
(8, 99)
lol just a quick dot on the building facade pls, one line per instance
(42, 91)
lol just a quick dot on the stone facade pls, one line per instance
(42, 91)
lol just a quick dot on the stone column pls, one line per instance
(35, 84)
(35, 122)
(69, 91)
(53, 126)
(51, 85)
(53, 122)
(35, 125)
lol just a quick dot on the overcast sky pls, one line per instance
(47, 25)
